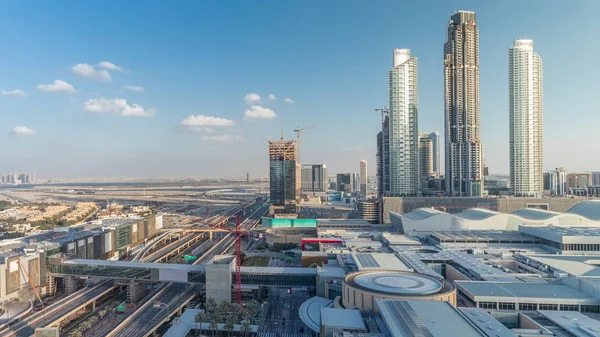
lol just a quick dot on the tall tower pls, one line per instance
(525, 119)
(282, 176)
(403, 126)
(363, 178)
(425, 159)
(464, 151)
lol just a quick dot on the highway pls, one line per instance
(51, 314)
(175, 295)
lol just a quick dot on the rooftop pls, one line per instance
(476, 214)
(426, 318)
(574, 322)
(310, 311)
(374, 261)
(487, 322)
(589, 209)
(534, 214)
(395, 283)
(422, 213)
(484, 290)
(342, 318)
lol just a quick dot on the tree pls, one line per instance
(252, 310)
(85, 325)
(75, 333)
(224, 308)
(246, 325)
(200, 318)
(102, 313)
(229, 324)
(214, 319)
(211, 305)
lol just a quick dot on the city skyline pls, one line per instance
(107, 111)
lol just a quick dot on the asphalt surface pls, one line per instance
(280, 316)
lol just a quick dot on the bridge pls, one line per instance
(179, 273)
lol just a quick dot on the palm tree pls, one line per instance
(102, 313)
(200, 318)
(229, 324)
(246, 325)
(214, 319)
(211, 305)
(86, 325)
(224, 308)
(252, 309)
(75, 333)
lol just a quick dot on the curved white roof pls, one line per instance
(310, 311)
(476, 214)
(398, 283)
(587, 209)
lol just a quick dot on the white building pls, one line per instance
(525, 118)
(403, 125)
(464, 151)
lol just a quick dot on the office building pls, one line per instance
(550, 182)
(403, 126)
(464, 151)
(425, 158)
(363, 178)
(345, 182)
(282, 174)
(314, 178)
(525, 119)
(355, 183)
(383, 158)
(435, 139)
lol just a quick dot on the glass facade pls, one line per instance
(488, 305)
(284, 280)
(101, 271)
(528, 306)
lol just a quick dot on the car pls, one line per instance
(276, 323)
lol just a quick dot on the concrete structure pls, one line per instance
(457, 205)
(361, 289)
(369, 210)
(464, 151)
(314, 178)
(282, 175)
(219, 277)
(525, 106)
(363, 178)
(403, 125)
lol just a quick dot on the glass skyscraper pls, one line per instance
(282, 174)
(525, 120)
(464, 151)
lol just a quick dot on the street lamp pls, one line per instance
(159, 305)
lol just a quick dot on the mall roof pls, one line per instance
(347, 319)
(589, 209)
(534, 214)
(487, 322)
(577, 265)
(426, 318)
(483, 291)
(574, 322)
(476, 214)
(375, 261)
(422, 213)
(310, 312)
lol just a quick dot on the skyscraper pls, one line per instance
(314, 178)
(464, 151)
(425, 158)
(403, 126)
(363, 178)
(383, 158)
(435, 139)
(282, 174)
(525, 119)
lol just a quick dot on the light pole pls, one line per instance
(159, 305)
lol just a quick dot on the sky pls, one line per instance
(94, 89)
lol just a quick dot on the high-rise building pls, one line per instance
(525, 119)
(345, 182)
(425, 158)
(363, 178)
(314, 178)
(247, 177)
(403, 126)
(464, 151)
(282, 174)
(383, 158)
(435, 139)
(595, 178)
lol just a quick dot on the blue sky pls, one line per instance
(330, 57)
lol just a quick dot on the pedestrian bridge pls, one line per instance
(178, 273)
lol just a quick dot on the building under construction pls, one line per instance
(282, 174)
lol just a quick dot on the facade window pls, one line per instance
(506, 306)
(548, 306)
(488, 305)
(528, 306)
(590, 308)
(567, 307)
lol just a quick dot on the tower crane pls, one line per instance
(298, 131)
(31, 284)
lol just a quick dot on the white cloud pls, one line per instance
(223, 138)
(16, 93)
(135, 88)
(85, 70)
(59, 86)
(21, 130)
(117, 106)
(109, 66)
(272, 97)
(201, 123)
(289, 100)
(252, 98)
(256, 111)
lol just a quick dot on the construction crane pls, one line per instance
(238, 232)
(384, 111)
(24, 272)
(298, 131)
